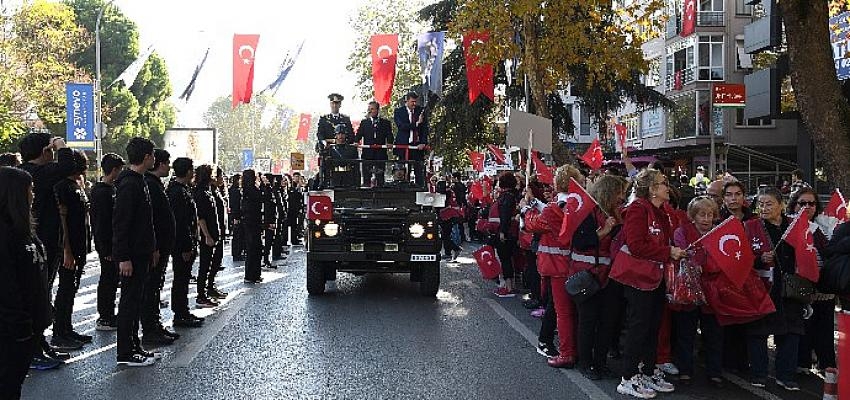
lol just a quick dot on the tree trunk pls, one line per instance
(532, 69)
(824, 110)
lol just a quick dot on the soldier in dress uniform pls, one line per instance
(343, 173)
(374, 130)
(329, 122)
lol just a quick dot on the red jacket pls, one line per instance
(553, 256)
(596, 259)
(648, 235)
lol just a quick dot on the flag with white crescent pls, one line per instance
(689, 18)
(801, 239)
(837, 207)
(244, 52)
(593, 157)
(303, 127)
(577, 206)
(320, 207)
(384, 57)
(488, 264)
(729, 246)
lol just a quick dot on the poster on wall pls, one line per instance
(199, 144)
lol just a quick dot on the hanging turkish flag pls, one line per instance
(477, 160)
(320, 207)
(677, 80)
(735, 260)
(593, 157)
(384, 56)
(577, 207)
(544, 174)
(801, 239)
(497, 153)
(479, 77)
(244, 50)
(303, 127)
(689, 18)
(843, 319)
(837, 207)
(489, 265)
(621, 135)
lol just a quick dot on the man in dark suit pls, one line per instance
(374, 130)
(328, 122)
(412, 131)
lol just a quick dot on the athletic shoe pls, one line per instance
(205, 302)
(758, 382)
(104, 324)
(216, 294)
(668, 368)
(657, 382)
(167, 332)
(65, 343)
(156, 355)
(157, 338)
(56, 355)
(187, 321)
(635, 387)
(547, 350)
(788, 385)
(43, 363)
(80, 337)
(503, 292)
(135, 360)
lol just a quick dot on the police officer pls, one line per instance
(374, 130)
(329, 122)
(185, 242)
(344, 173)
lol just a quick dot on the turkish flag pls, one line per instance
(384, 57)
(320, 207)
(497, 153)
(244, 50)
(837, 207)
(489, 265)
(355, 125)
(477, 160)
(477, 190)
(801, 239)
(621, 135)
(479, 77)
(735, 260)
(303, 127)
(677, 80)
(578, 206)
(689, 18)
(544, 174)
(593, 157)
(843, 319)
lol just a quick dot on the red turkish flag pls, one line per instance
(578, 206)
(544, 174)
(477, 160)
(479, 77)
(355, 125)
(593, 157)
(843, 319)
(384, 57)
(244, 50)
(489, 265)
(477, 190)
(320, 207)
(497, 153)
(689, 18)
(621, 135)
(677, 80)
(736, 261)
(303, 127)
(801, 239)
(837, 207)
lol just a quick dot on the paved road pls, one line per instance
(375, 337)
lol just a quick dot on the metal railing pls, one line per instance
(711, 18)
(687, 76)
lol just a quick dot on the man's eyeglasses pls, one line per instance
(807, 203)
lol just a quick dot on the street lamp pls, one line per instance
(98, 115)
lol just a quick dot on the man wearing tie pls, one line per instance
(378, 131)
(413, 132)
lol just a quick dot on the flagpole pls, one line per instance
(98, 116)
(528, 160)
(710, 231)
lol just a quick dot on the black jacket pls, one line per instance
(839, 243)
(252, 206)
(507, 203)
(44, 178)
(378, 132)
(459, 190)
(132, 218)
(71, 197)
(235, 195)
(295, 202)
(163, 217)
(281, 203)
(269, 206)
(102, 202)
(24, 297)
(185, 217)
(205, 202)
(221, 211)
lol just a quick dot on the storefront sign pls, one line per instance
(728, 95)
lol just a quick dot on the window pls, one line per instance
(742, 8)
(744, 60)
(752, 122)
(680, 63)
(703, 112)
(710, 52)
(651, 122)
(632, 123)
(584, 123)
(711, 5)
(681, 122)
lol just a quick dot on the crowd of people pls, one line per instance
(50, 216)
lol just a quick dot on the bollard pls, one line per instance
(830, 387)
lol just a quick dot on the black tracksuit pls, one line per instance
(237, 244)
(133, 240)
(295, 213)
(185, 241)
(73, 200)
(207, 212)
(218, 252)
(102, 202)
(252, 223)
(163, 222)
(281, 236)
(269, 218)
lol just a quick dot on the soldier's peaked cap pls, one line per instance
(335, 97)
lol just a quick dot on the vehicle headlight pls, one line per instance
(331, 229)
(416, 230)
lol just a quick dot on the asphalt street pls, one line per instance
(373, 338)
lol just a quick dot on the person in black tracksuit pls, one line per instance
(210, 233)
(237, 244)
(73, 215)
(102, 196)
(252, 223)
(133, 248)
(185, 240)
(24, 298)
(281, 236)
(295, 209)
(163, 219)
(218, 253)
(269, 218)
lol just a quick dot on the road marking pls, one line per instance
(764, 394)
(185, 356)
(586, 385)
(88, 354)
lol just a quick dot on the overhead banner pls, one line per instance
(244, 51)
(384, 56)
(838, 30)
(247, 159)
(429, 46)
(479, 76)
(79, 114)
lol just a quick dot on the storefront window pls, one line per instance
(703, 112)
(681, 122)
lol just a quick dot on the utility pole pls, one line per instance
(98, 115)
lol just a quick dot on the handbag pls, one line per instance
(797, 288)
(583, 285)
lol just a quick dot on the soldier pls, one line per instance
(344, 173)
(186, 240)
(374, 130)
(329, 122)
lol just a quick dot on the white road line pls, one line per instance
(586, 385)
(186, 355)
(764, 394)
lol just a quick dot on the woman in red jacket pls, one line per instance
(648, 237)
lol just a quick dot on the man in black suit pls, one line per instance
(378, 131)
(412, 131)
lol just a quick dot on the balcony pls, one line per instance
(674, 26)
(686, 76)
(711, 18)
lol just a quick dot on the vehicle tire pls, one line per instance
(315, 278)
(429, 283)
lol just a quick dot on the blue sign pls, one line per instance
(838, 28)
(247, 159)
(79, 115)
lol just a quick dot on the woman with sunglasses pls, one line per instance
(819, 327)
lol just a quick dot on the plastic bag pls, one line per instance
(684, 284)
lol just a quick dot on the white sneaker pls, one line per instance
(668, 368)
(657, 382)
(136, 360)
(635, 387)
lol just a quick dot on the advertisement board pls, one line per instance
(199, 144)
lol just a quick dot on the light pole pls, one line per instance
(98, 115)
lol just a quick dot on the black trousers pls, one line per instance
(685, 337)
(530, 276)
(281, 238)
(819, 336)
(130, 306)
(205, 269)
(295, 223)
(549, 321)
(268, 243)
(446, 234)
(180, 284)
(153, 288)
(597, 320)
(15, 360)
(107, 288)
(237, 245)
(643, 319)
(218, 256)
(254, 252)
(505, 251)
(69, 283)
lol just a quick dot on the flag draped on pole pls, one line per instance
(303, 127)
(479, 77)
(244, 51)
(800, 238)
(497, 153)
(384, 57)
(593, 157)
(430, 46)
(729, 246)
(837, 207)
(689, 18)
(285, 67)
(577, 207)
(621, 135)
(544, 174)
(477, 160)
(132, 71)
(187, 93)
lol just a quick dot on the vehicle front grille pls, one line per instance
(374, 229)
